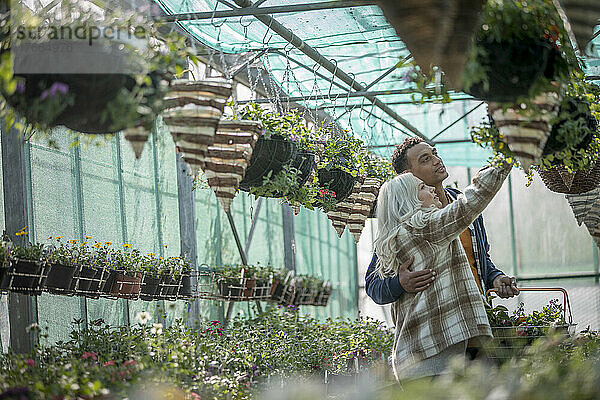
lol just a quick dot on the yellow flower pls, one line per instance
(84, 243)
(49, 237)
(72, 241)
(160, 258)
(59, 237)
(165, 246)
(151, 254)
(87, 237)
(21, 233)
(107, 243)
(97, 245)
(127, 245)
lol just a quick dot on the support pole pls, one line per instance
(309, 51)
(289, 241)
(22, 308)
(187, 229)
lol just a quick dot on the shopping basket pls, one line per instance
(511, 341)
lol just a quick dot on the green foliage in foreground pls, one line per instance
(99, 360)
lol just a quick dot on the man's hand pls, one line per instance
(506, 286)
(414, 282)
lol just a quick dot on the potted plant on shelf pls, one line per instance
(281, 290)
(171, 273)
(235, 282)
(27, 271)
(264, 279)
(323, 294)
(125, 277)
(63, 263)
(149, 287)
(93, 270)
(120, 83)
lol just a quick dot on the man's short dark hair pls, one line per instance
(399, 159)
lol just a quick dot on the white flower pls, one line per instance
(156, 329)
(143, 317)
(175, 365)
(33, 327)
(152, 354)
(74, 386)
(104, 391)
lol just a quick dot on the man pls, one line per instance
(416, 156)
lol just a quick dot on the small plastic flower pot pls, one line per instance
(60, 278)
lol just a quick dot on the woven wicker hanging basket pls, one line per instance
(583, 203)
(342, 211)
(436, 32)
(192, 113)
(362, 206)
(227, 159)
(559, 180)
(525, 132)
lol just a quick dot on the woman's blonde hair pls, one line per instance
(398, 206)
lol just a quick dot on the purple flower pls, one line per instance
(21, 87)
(293, 138)
(56, 88)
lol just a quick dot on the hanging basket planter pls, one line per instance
(137, 136)
(229, 156)
(269, 157)
(583, 203)
(304, 163)
(559, 180)
(513, 68)
(338, 181)
(340, 214)
(192, 112)
(526, 132)
(363, 205)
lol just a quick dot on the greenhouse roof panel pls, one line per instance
(358, 41)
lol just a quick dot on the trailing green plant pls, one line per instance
(427, 85)
(377, 167)
(157, 58)
(32, 252)
(290, 125)
(339, 151)
(572, 128)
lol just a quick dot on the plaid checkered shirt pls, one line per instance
(451, 310)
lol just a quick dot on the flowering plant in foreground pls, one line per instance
(208, 360)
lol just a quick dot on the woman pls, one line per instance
(434, 325)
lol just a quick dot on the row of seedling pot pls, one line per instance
(34, 277)
(246, 283)
(80, 269)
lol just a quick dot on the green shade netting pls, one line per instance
(360, 42)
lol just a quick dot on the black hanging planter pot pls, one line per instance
(338, 181)
(150, 287)
(513, 68)
(60, 279)
(269, 156)
(84, 77)
(25, 276)
(304, 162)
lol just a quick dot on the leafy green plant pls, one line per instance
(33, 252)
(290, 125)
(569, 134)
(339, 151)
